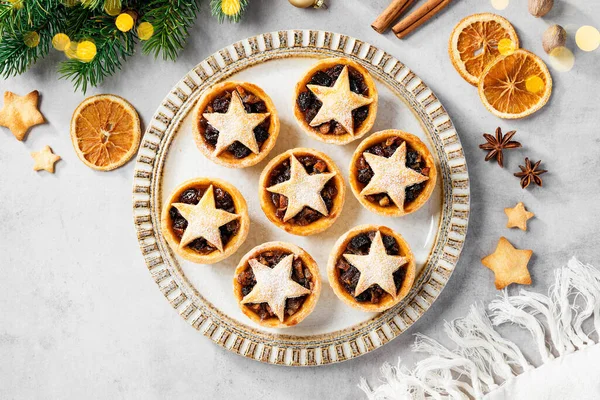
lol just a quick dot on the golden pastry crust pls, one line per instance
(311, 299)
(393, 210)
(269, 208)
(226, 159)
(387, 301)
(234, 243)
(20, 113)
(331, 138)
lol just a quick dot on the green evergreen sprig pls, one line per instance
(88, 20)
(113, 47)
(171, 21)
(15, 22)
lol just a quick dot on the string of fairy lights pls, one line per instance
(85, 50)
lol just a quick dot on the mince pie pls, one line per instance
(392, 173)
(302, 191)
(277, 284)
(205, 220)
(236, 124)
(371, 268)
(336, 101)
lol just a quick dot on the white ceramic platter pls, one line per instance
(203, 295)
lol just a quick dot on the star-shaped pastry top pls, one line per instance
(518, 216)
(302, 190)
(19, 113)
(377, 267)
(204, 220)
(274, 285)
(509, 264)
(391, 176)
(235, 124)
(338, 102)
(44, 159)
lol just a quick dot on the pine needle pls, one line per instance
(87, 20)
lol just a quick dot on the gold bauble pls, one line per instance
(308, 3)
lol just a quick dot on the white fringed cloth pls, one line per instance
(485, 365)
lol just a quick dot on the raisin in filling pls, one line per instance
(252, 104)
(300, 274)
(349, 275)
(281, 173)
(310, 105)
(414, 161)
(223, 200)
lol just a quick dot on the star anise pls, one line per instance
(495, 145)
(530, 173)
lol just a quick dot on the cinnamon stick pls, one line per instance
(390, 14)
(419, 17)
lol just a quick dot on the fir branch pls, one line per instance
(171, 20)
(15, 56)
(112, 48)
(87, 20)
(92, 4)
(232, 10)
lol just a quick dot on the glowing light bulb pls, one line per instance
(60, 41)
(562, 59)
(31, 39)
(587, 38)
(500, 4)
(534, 84)
(145, 30)
(86, 51)
(124, 22)
(506, 47)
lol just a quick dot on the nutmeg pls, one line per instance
(554, 37)
(539, 8)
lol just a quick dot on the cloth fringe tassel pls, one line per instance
(483, 359)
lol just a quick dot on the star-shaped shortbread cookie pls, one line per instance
(274, 285)
(391, 176)
(19, 113)
(302, 190)
(44, 159)
(377, 267)
(338, 102)
(518, 216)
(508, 264)
(204, 220)
(236, 125)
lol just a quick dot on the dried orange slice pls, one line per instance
(105, 131)
(515, 86)
(474, 43)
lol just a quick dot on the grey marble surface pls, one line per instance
(80, 316)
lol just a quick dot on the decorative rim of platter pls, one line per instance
(276, 348)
